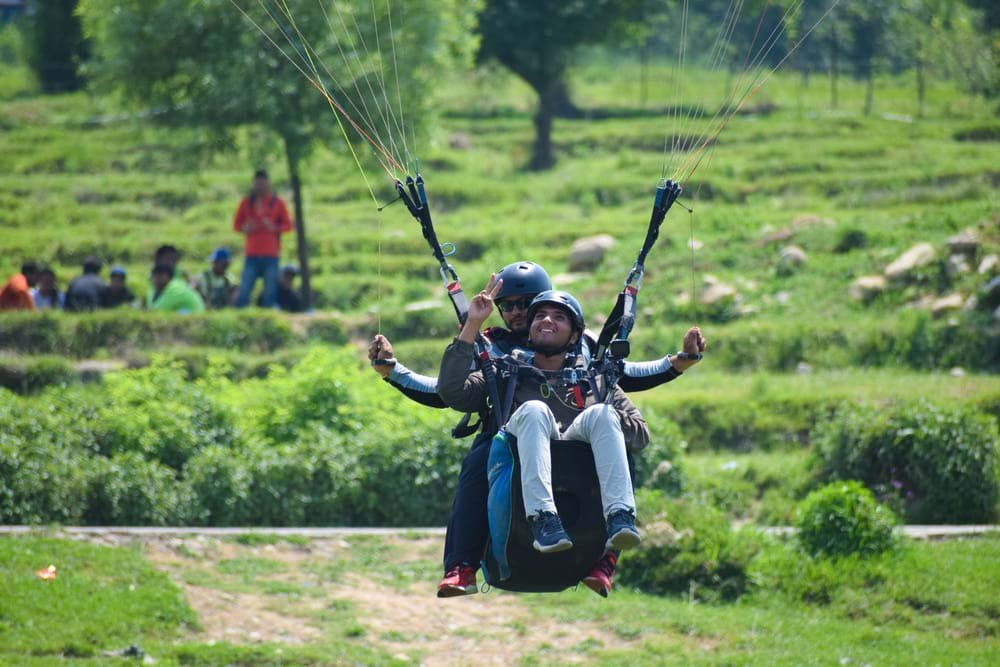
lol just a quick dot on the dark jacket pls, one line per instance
(465, 390)
(85, 292)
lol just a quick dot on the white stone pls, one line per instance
(946, 304)
(803, 368)
(793, 255)
(717, 293)
(988, 265)
(866, 288)
(957, 265)
(919, 255)
(957, 372)
(587, 253)
(965, 242)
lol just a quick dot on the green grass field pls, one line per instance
(368, 600)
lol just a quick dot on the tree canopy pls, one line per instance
(535, 39)
(205, 63)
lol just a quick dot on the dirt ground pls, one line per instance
(397, 612)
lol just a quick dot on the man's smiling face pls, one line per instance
(552, 327)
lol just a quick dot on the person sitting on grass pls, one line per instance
(542, 413)
(118, 293)
(215, 285)
(288, 298)
(46, 293)
(16, 293)
(86, 291)
(172, 294)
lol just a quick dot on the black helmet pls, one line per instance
(522, 279)
(558, 298)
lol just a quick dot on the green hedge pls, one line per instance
(934, 464)
(122, 330)
(322, 443)
(33, 374)
(688, 548)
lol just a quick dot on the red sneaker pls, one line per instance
(460, 580)
(599, 577)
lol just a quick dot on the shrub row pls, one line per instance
(119, 331)
(932, 464)
(910, 340)
(319, 444)
(324, 442)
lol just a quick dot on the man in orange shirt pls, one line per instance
(263, 218)
(16, 294)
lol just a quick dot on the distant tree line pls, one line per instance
(537, 40)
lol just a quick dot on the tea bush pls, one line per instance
(688, 548)
(158, 414)
(843, 519)
(31, 375)
(128, 490)
(936, 464)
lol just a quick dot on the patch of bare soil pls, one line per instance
(406, 621)
(241, 618)
(492, 629)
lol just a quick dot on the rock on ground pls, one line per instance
(866, 288)
(919, 255)
(587, 253)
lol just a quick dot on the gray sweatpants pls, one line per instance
(534, 425)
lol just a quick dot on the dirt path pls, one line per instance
(310, 589)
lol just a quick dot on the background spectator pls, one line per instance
(46, 293)
(85, 292)
(288, 297)
(16, 293)
(167, 292)
(117, 292)
(167, 255)
(216, 287)
(262, 217)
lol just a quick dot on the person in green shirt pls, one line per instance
(172, 294)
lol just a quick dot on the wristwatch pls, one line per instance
(689, 356)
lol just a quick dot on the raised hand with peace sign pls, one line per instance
(480, 307)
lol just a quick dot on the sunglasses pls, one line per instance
(508, 305)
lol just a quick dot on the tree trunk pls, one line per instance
(834, 63)
(921, 87)
(300, 224)
(562, 104)
(644, 74)
(542, 157)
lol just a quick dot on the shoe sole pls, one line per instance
(594, 584)
(623, 539)
(561, 545)
(456, 591)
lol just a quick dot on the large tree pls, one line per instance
(535, 39)
(205, 63)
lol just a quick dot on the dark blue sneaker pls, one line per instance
(622, 533)
(550, 536)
